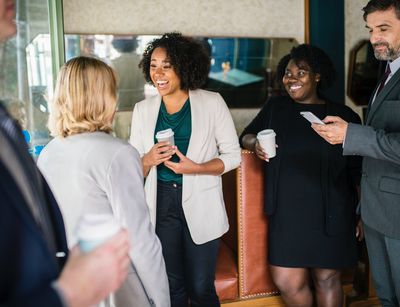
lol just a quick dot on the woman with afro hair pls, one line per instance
(310, 187)
(183, 180)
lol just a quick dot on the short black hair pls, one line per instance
(316, 58)
(281, 68)
(188, 57)
(280, 72)
(381, 5)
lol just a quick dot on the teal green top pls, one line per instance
(181, 123)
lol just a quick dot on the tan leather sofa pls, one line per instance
(242, 268)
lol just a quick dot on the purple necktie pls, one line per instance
(384, 78)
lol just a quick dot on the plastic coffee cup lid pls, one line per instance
(266, 133)
(97, 227)
(164, 133)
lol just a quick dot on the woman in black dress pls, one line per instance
(310, 187)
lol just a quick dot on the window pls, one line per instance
(26, 80)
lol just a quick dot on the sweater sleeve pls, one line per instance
(367, 141)
(260, 122)
(226, 137)
(126, 194)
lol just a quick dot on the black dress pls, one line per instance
(298, 235)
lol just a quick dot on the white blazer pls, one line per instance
(97, 173)
(213, 136)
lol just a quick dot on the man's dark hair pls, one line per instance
(318, 61)
(381, 5)
(188, 57)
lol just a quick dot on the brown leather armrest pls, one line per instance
(226, 277)
(230, 198)
(254, 277)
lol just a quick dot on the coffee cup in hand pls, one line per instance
(166, 135)
(94, 229)
(266, 139)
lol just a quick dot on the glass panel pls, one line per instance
(26, 77)
(242, 69)
(364, 70)
(121, 52)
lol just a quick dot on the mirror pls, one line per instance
(242, 71)
(364, 70)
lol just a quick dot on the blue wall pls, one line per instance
(327, 33)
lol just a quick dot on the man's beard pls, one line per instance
(389, 55)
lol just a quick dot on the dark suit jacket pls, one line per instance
(341, 174)
(379, 143)
(27, 267)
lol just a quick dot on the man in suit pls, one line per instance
(379, 143)
(33, 251)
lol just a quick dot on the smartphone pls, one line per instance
(311, 118)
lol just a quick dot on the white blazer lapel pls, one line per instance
(152, 115)
(196, 114)
(194, 148)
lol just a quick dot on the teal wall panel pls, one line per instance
(327, 33)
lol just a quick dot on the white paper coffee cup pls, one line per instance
(266, 138)
(94, 229)
(166, 135)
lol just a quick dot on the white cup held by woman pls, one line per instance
(266, 138)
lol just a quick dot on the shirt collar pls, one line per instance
(394, 66)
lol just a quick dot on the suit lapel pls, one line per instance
(380, 98)
(15, 201)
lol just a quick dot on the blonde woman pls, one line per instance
(90, 171)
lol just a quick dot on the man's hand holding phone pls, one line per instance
(311, 118)
(333, 130)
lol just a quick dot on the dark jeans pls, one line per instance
(384, 259)
(190, 267)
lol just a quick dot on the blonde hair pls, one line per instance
(85, 98)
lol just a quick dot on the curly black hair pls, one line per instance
(188, 57)
(318, 61)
